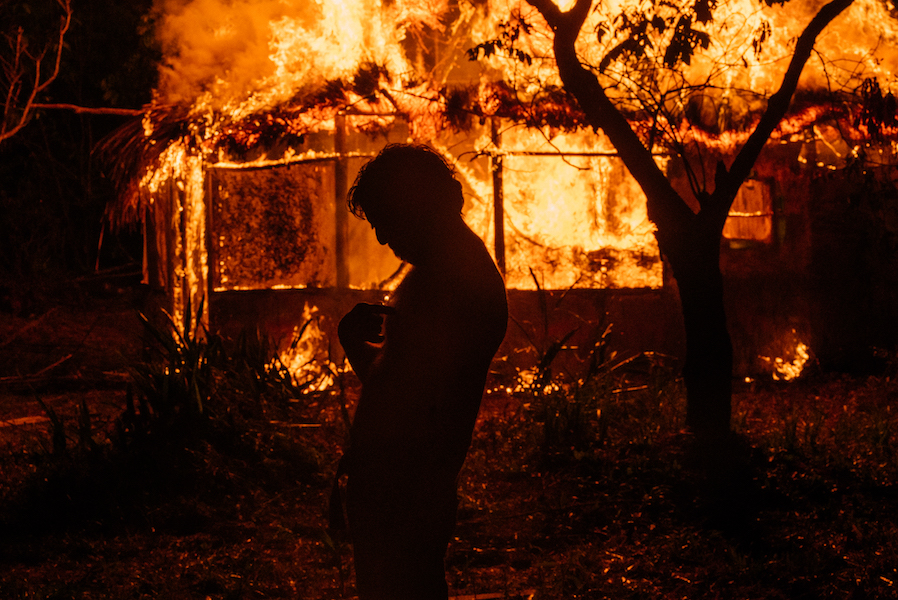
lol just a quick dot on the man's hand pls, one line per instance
(364, 323)
(358, 330)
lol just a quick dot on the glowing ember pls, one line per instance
(784, 370)
(789, 371)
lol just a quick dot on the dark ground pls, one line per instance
(592, 495)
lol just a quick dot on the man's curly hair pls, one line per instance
(413, 168)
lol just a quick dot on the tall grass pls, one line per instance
(610, 397)
(832, 421)
(173, 387)
(193, 379)
(203, 419)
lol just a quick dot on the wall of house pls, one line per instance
(827, 275)
(810, 259)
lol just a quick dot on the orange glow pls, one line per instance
(784, 369)
(247, 55)
(262, 77)
(232, 60)
(750, 43)
(306, 358)
(572, 214)
(177, 183)
(751, 215)
(788, 371)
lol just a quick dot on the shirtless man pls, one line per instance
(422, 379)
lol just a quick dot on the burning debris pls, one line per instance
(784, 369)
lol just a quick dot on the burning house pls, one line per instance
(266, 111)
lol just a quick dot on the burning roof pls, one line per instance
(242, 79)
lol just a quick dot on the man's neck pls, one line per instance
(448, 245)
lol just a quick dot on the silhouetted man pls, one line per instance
(421, 388)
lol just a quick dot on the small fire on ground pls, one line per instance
(786, 369)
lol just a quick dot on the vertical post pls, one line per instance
(213, 276)
(341, 187)
(183, 258)
(172, 239)
(498, 207)
(151, 259)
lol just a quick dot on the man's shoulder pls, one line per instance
(478, 278)
(480, 297)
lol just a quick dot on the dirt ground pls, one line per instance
(70, 349)
(618, 510)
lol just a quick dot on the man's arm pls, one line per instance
(359, 332)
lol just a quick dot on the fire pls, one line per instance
(183, 205)
(259, 78)
(725, 85)
(786, 370)
(234, 60)
(249, 54)
(245, 56)
(305, 359)
(573, 215)
(758, 39)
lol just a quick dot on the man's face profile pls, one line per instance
(402, 220)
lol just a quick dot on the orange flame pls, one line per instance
(576, 219)
(784, 369)
(305, 358)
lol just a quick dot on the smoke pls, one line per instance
(217, 47)
(244, 54)
(248, 55)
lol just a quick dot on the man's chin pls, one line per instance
(399, 254)
(403, 256)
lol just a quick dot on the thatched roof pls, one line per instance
(136, 147)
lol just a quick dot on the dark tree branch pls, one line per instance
(126, 112)
(26, 65)
(664, 204)
(691, 242)
(665, 207)
(729, 183)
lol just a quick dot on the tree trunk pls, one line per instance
(708, 370)
(694, 255)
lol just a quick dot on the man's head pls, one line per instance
(408, 193)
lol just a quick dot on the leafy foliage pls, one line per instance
(879, 111)
(174, 389)
(207, 424)
(668, 29)
(195, 382)
(579, 410)
(506, 42)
